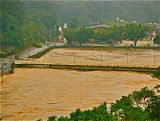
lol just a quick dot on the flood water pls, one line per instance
(30, 94)
(117, 56)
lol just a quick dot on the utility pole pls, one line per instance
(98, 21)
(75, 57)
(10, 57)
(154, 58)
(51, 56)
(127, 57)
(101, 55)
(50, 36)
(55, 31)
(1, 70)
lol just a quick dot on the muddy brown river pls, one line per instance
(30, 94)
(117, 56)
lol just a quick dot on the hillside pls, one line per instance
(26, 23)
(85, 12)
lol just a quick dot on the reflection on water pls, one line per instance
(29, 94)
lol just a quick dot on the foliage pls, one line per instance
(21, 30)
(52, 118)
(86, 11)
(112, 35)
(73, 23)
(33, 32)
(81, 35)
(47, 19)
(70, 35)
(11, 18)
(136, 32)
(84, 34)
(156, 74)
(156, 40)
(142, 105)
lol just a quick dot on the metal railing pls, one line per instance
(84, 63)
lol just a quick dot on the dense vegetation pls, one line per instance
(85, 12)
(26, 24)
(156, 74)
(81, 35)
(11, 18)
(156, 40)
(142, 105)
(90, 11)
(21, 30)
(111, 35)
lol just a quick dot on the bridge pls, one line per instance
(84, 65)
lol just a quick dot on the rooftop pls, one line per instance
(98, 26)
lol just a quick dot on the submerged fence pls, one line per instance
(86, 65)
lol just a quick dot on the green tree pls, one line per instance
(156, 74)
(118, 33)
(33, 32)
(102, 37)
(70, 35)
(84, 34)
(135, 32)
(142, 105)
(111, 35)
(48, 19)
(20, 29)
(73, 23)
(11, 18)
(156, 40)
(52, 118)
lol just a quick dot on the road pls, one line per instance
(34, 51)
(5, 63)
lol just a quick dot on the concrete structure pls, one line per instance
(87, 66)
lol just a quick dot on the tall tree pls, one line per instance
(33, 32)
(156, 40)
(73, 23)
(84, 34)
(70, 35)
(11, 18)
(135, 32)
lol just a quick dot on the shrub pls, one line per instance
(156, 74)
